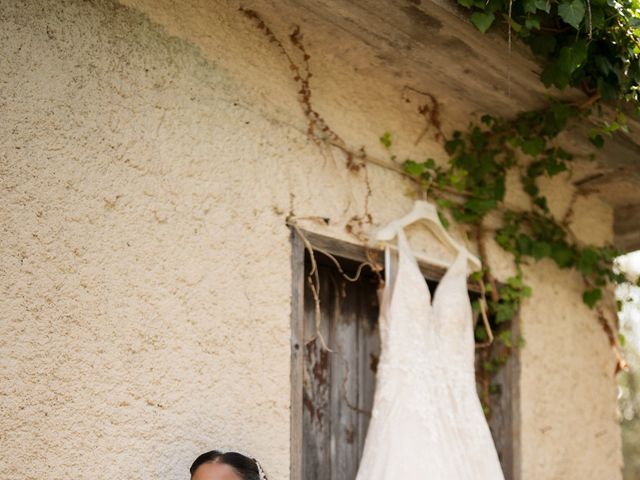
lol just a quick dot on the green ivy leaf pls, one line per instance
(524, 244)
(478, 139)
(591, 297)
(573, 57)
(544, 5)
(385, 139)
(622, 339)
(444, 203)
(532, 23)
(553, 75)
(616, 278)
(505, 338)
(541, 202)
(569, 59)
(488, 120)
(504, 239)
(515, 282)
(597, 17)
(562, 255)
(504, 312)
(465, 216)
(572, 12)
(452, 146)
(476, 276)
(529, 185)
(563, 154)
(588, 261)
(540, 250)
(458, 177)
(533, 146)
(556, 120)
(529, 6)
(489, 367)
(413, 168)
(482, 20)
(554, 167)
(480, 206)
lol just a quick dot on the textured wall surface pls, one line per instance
(149, 157)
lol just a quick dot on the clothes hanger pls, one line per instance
(423, 210)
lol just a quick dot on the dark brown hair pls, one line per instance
(246, 467)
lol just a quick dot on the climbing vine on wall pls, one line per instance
(593, 45)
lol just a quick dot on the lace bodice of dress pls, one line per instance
(419, 337)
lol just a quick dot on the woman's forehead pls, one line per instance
(215, 471)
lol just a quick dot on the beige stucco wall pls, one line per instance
(149, 157)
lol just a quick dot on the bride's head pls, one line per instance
(215, 465)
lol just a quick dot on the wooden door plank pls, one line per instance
(344, 381)
(368, 356)
(317, 457)
(297, 356)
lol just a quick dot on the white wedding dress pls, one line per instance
(427, 421)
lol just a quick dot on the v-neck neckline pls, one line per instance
(404, 251)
